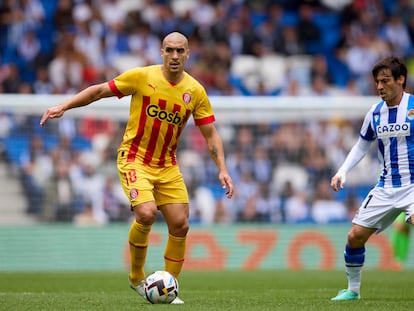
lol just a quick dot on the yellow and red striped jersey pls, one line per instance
(158, 112)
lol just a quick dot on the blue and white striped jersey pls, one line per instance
(394, 130)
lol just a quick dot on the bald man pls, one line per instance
(163, 97)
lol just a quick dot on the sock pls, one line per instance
(138, 244)
(400, 245)
(354, 261)
(174, 254)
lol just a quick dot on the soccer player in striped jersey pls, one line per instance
(163, 97)
(391, 123)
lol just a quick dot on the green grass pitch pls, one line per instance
(230, 290)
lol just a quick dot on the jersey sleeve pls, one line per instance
(126, 83)
(357, 153)
(203, 113)
(367, 131)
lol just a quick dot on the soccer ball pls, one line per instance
(161, 287)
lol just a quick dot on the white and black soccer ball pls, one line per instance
(161, 287)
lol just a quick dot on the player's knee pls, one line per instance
(184, 229)
(179, 228)
(145, 216)
(356, 239)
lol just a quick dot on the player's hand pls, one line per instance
(338, 181)
(51, 113)
(227, 184)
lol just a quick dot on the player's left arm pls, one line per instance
(216, 149)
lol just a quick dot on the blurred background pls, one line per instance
(290, 82)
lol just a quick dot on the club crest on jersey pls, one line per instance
(186, 98)
(133, 193)
(410, 114)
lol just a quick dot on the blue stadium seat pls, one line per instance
(50, 8)
(15, 146)
(80, 143)
(328, 23)
(290, 18)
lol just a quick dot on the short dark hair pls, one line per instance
(395, 65)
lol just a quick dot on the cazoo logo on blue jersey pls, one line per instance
(393, 130)
(156, 112)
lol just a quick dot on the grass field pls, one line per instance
(263, 290)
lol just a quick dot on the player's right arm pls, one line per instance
(357, 153)
(83, 98)
(359, 150)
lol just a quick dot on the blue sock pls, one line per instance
(354, 257)
(354, 260)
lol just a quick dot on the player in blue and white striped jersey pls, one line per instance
(391, 123)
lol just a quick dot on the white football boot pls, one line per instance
(138, 288)
(177, 301)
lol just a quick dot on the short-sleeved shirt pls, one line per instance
(159, 111)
